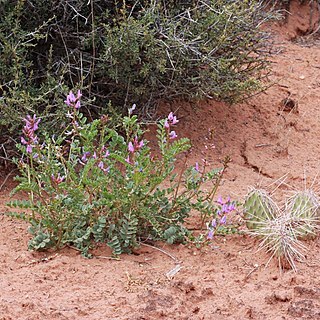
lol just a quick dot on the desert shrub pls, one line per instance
(91, 183)
(25, 87)
(212, 49)
(125, 52)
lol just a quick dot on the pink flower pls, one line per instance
(172, 118)
(77, 105)
(128, 160)
(210, 234)
(130, 147)
(136, 145)
(107, 154)
(223, 220)
(29, 148)
(30, 139)
(101, 166)
(72, 100)
(220, 201)
(172, 135)
(31, 123)
(85, 156)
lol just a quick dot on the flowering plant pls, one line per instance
(91, 183)
(220, 216)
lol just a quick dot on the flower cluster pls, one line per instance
(171, 121)
(103, 154)
(30, 139)
(73, 101)
(224, 208)
(133, 147)
(136, 145)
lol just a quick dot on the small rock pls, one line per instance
(281, 296)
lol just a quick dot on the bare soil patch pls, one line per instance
(274, 135)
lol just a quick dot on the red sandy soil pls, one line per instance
(267, 141)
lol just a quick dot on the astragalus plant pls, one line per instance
(97, 182)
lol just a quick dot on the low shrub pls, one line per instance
(206, 49)
(91, 183)
(125, 52)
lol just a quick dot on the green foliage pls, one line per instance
(91, 183)
(125, 52)
(282, 230)
(259, 207)
(304, 208)
(211, 48)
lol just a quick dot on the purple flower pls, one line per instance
(214, 223)
(31, 123)
(223, 220)
(136, 145)
(220, 201)
(29, 148)
(72, 100)
(130, 147)
(172, 135)
(231, 207)
(196, 167)
(224, 208)
(85, 156)
(172, 118)
(107, 154)
(30, 139)
(101, 166)
(77, 105)
(210, 234)
(128, 160)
